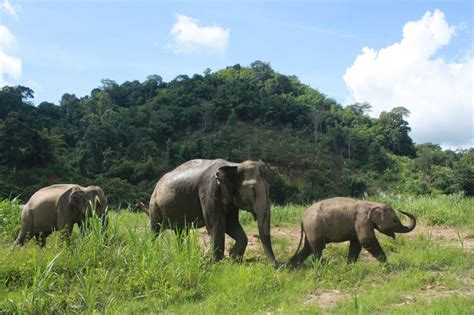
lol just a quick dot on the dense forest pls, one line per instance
(123, 137)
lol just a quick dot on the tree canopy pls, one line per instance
(125, 136)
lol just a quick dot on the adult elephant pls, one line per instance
(210, 193)
(59, 207)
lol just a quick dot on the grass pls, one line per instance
(126, 269)
(444, 210)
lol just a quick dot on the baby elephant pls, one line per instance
(59, 207)
(345, 219)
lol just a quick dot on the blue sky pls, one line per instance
(58, 47)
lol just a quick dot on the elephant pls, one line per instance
(345, 219)
(59, 207)
(210, 193)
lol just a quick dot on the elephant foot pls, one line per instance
(20, 241)
(236, 257)
(294, 262)
(217, 256)
(237, 253)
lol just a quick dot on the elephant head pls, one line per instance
(76, 201)
(386, 221)
(96, 199)
(245, 187)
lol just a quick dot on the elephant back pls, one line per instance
(48, 196)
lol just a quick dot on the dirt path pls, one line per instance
(445, 235)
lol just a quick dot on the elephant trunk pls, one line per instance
(263, 222)
(409, 228)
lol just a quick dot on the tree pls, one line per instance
(21, 146)
(395, 130)
(128, 135)
(464, 169)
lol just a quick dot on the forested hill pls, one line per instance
(124, 137)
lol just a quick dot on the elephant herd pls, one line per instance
(210, 193)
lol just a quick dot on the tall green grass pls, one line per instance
(10, 211)
(127, 269)
(444, 210)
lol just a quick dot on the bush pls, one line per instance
(281, 191)
(9, 219)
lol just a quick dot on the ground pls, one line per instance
(127, 270)
(327, 299)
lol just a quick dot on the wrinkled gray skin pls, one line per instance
(344, 219)
(59, 207)
(210, 193)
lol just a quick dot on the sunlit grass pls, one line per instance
(127, 269)
(444, 210)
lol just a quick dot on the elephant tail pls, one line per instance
(293, 260)
(142, 206)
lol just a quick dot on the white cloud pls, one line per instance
(7, 7)
(188, 36)
(438, 93)
(10, 66)
(7, 40)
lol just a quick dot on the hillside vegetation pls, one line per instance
(123, 137)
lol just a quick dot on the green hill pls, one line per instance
(125, 136)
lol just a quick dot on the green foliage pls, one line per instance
(9, 219)
(451, 210)
(464, 169)
(126, 136)
(432, 171)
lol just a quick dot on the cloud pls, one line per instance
(438, 93)
(7, 7)
(10, 66)
(188, 36)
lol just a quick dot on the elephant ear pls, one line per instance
(77, 200)
(376, 216)
(226, 178)
(92, 199)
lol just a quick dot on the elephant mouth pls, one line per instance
(388, 232)
(391, 234)
(254, 216)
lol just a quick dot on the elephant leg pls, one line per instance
(373, 247)
(81, 225)
(216, 229)
(317, 246)
(156, 222)
(41, 238)
(26, 227)
(301, 256)
(354, 251)
(213, 214)
(22, 238)
(235, 230)
(217, 242)
(65, 232)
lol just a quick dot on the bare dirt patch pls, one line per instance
(432, 292)
(291, 233)
(325, 299)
